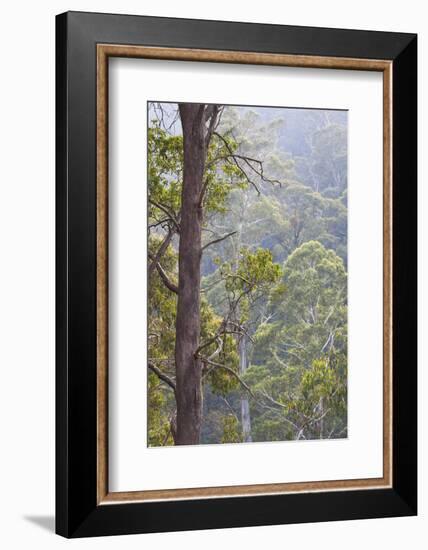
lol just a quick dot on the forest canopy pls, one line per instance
(247, 266)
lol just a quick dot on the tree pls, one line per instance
(303, 380)
(182, 192)
(247, 292)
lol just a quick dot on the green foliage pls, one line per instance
(162, 306)
(266, 427)
(222, 175)
(160, 402)
(165, 168)
(305, 346)
(254, 275)
(281, 277)
(222, 381)
(231, 430)
(316, 282)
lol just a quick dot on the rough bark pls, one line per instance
(188, 323)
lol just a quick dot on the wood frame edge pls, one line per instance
(103, 52)
(102, 275)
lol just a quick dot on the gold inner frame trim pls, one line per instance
(104, 51)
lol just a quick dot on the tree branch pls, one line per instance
(162, 376)
(168, 212)
(161, 251)
(213, 114)
(213, 284)
(249, 161)
(166, 281)
(229, 406)
(215, 241)
(249, 390)
(231, 371)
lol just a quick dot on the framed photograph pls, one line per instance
(236, 274)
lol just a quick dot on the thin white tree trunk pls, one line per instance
(321, 423)
(243, 351)
(245, 406)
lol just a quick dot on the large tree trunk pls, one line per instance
(188, 323)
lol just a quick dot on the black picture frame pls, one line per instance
(77, 511)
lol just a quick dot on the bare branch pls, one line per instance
(217, 350)
(203, 191)
(161, 222)
(161, 251)
(230, 371)
(273, 401)
(168, 212)
(172, 428)
(249, 390)
(216, 338)
(169, 284)
(255, 165)
(215, 241)
(229, 406)
(213, 284)
(162, 376)
(299, 430)
(330, 341)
